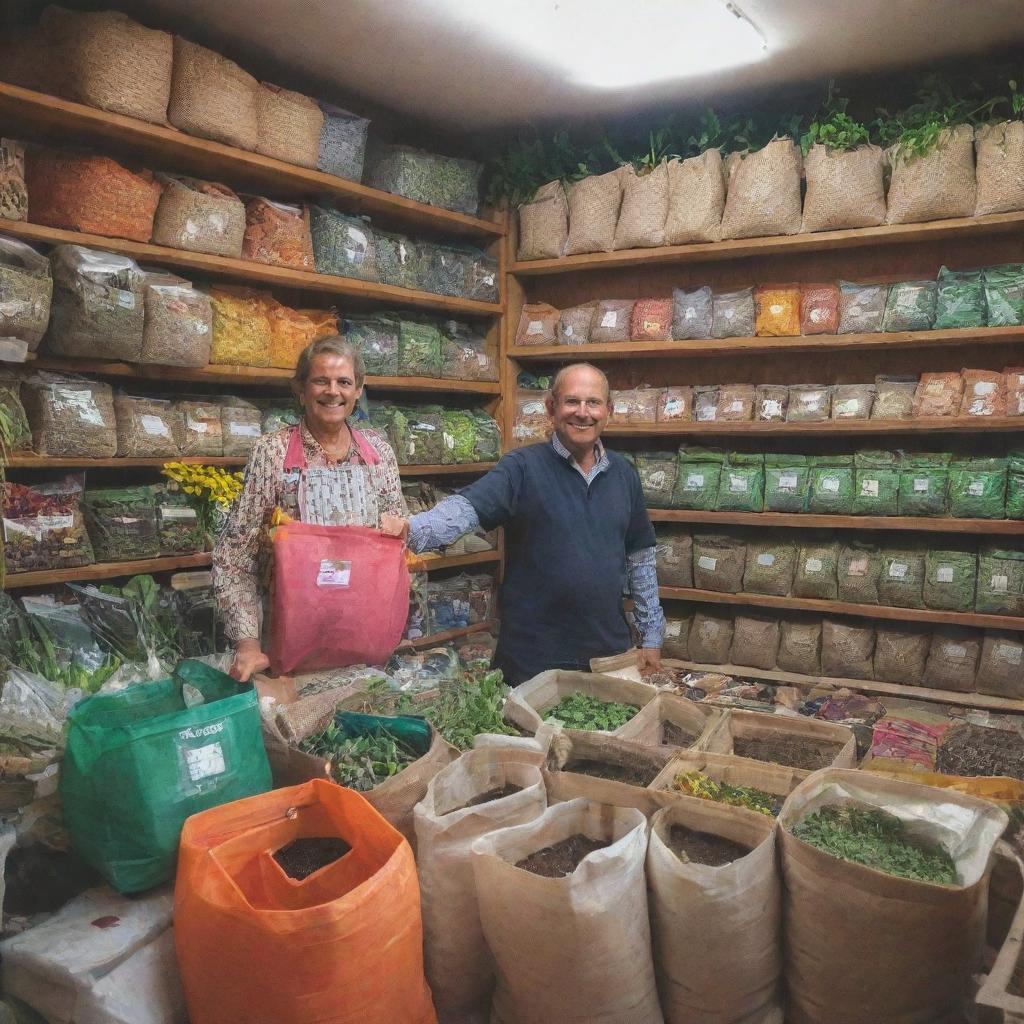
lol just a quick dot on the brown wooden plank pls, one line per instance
(105, 570)
(431, 563)
(466, 468)
(442, 638)
(827, 428)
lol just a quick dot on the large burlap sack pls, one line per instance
(800, 646)
(544, 224)
(677, 635)
(289, 125)
(859, 568)
(755, 641)
(901, 653)
(953, 660)
(936, 186)
(845, 189)
(673, 555)
(1001, 669)
(641, 223)
(731, 914)
(846, 649)
(718, 563)
(919, 943)
(696, 199)
(764, 192)
(200, 216)
(212, 97)
(594, 205)
(672, 721)
(1000, 171)
(710, 638)
(769, 567)
(575, 949)
(457, 962)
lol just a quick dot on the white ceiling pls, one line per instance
(411, 56)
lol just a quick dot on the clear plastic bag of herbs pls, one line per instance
(901, 582)
(924, 478)
(1015, 485)
(445, 269)
(425, 436)
(741, 485)
(459, 436)
(488, 437)
(393, 423)
(876, 483)
(43, 525)
(399, 261)
(1004, 295)
(448, 182)
(464, 354)
(960, 300)
(786, 482)
(180, 530)
(977, 488)
(343, 245)
(376, 337)
(657, 471)
(201, 631)
(419, 348)
(122, 523)
(831, 485)
(16, 428)
(698, 478)
(910, 306)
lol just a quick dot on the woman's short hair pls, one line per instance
(333, 345)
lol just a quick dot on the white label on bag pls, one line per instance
(954, 651)
(898, 570)
(652, 325)
(334, 573)
(847, 407)
(154, 426)
(736, 406)
(244, 429)
(449, 442)
(999, 584)
(610, 319)
(204, 762)
(656, 479)
(978, 408)
(535, 327)
(817, 315)
(198, 426)
(621, 408)
(944, 574)
(694, 481)
(1011, 655)
(869, 488)
(35, 527)
(787, 481)
(770, 407)
(83, 404)
(813, 565)
(568, 331)
(737, 484)
(984, 387)
(921, 485)
(775, 308)
(705, 413)
(830, 484)
(976, 488)
(707, 562)
(533, 408)
(176, 512)
(126, 300)
(674, 628)
(126, 520)
(674, 406)
(765, 559)
(691, 313)
(857, 567)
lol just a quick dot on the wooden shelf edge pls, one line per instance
(166, 141)
(863, 611)
(824, 428)
(459, 561)
(437, 639)
(46, 462)
(455, 470)
(105, 570)
(984, 701)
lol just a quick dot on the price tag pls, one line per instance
(449, 441)
(176, 512)
(775, 308)
(736, 406)
(567, 330)
(125, 299)
(765, 559)
(976, 488)
(707, 562)
(869, 488)
(674, 407)
(334, 573)
(535, 327)
(610, 319)
(621, 408)
(954, 651)
(694, 481)
(155, 426)
(813, 565)
(787, 481)
(652, 325)
(198, 426)
(770, 407)
(737, 484)
(244, 429)
(984, 387)
(898, 570)
(921, 486)
(830, 484)
(673, 628)
(204, 762)
(656, 479)
(857, 567)
(944, 574)
(999, 584)
(691, 313)
(1010, 654)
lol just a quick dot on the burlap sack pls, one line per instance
(594, 206)
(846, 649)
(212, 97)
(289, 125)
(718, 563)
(544, 224)
(641, 223)
(816, 571)
(936, 186)
(950, 579)
(769, 568)
(800, 647)
(860, 566)
(710, 638)
(764, 192)
(844, 189)
(457, 961)
(673, 555)
(925, 940)
(199, 216)
(1000, 153)
(901, 581)
(696, 199)
(672, 721)
(732, 914)
(574, 324)
(953, 660)
(1001, 669)
(901, 653)
(741, 728)
(571, 948)
(755, 641)
(612, 321)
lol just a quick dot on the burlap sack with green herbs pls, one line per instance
(831, 485)
(876, 483)
(901, 583)
(816, 570)
(846, 649)
(800, 647)
(763, 196)
(741, 486)
(786, 482)
(544, 224)
(594, 204)
(770, 567)
(924, 479)
(641, 223)
(697, 479)
(673, 554)
(977, 488)
(860, 566)
(696, 199)
(845, 188)
(950, 579)
(1001, 668)
(1000, 589)
(755, 641)
(657, 472)
(710, 638)
(953, 660)
(718, 563)
(937, 186)
(1000, 167)
(901, 653)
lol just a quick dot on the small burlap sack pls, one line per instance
(953, 660)
(800, 646)
(755, 641)
(696, 199)
(612, 321)
(816, 571)
(859, 567)
(641, 223)
(574, 324)
(289, 125)
(936, 186)
(538, 325)
(764, 192)
(718, 563)
(950, 579)
(212, 97)
(1000, 153)
(657, 472)
(846, 649)
(901, 581)
(673, 556)
(199, 216)
(710, 638)
(901, 653)
(594, 205)
(677, 635)
(544, 224)
(1001, 669)
(769, 568)
(844, 189)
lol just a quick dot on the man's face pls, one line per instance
(580, 410)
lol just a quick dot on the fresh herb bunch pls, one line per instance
(832, 127)
(706, 788)
(877, 840)
(467, 708)
(361, 762)
(581, 711)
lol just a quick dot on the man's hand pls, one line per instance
(650, 660)
(394, 526)
(249, 659)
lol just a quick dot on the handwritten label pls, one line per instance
(334, 573)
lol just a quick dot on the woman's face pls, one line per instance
(330, 393)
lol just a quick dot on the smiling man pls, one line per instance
(577, 534)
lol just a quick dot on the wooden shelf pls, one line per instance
(827, 428)
(168, 148)
(105, 570)
(250, 272)
(766, 346)
(432, 563)
(442, 638)
(800, 520)
(745, 248)
(780, 678)
(467, 468)
(864, 611)
(253, 375)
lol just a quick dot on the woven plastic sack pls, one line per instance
(799, 646)
(755, 641)
(771, 402)
(538, 325)
(735, 403)
(696, 199)
(960, 300)
(939, 185)
(857, 573)
(938, 394)
(444, 181)
(778, 311)
(531, 423)
(26, 290)
(710, 638)
(419, 349)
(641, 223)
(894, 398)
(657, 472)
(763, 196)
(691, 314)
(1015, 485)
(178, 327)
(93, 194)
(817, 571)
(240, 427)
(651, 320)
(950, 579)
(673, 556)
(199, 216)
(544, 224)
(977, 488)
(201, 427)
(809, 403)
(212, 97)
(741, 486)
(718, 563)
(697, 479)
(43, 526)
(901, 581)
(1000, 581)
(852, 401)
(13, 191)
(901, 653)
(1004, 295)
(861, 307)
(147, 428)
(831, 485)
(846, 649)
(984, 393)
(574, 324)
(677, 633)
(289, 125)
(1014, 382)
(705, 404)
(594, 205)
(819, 309)
(122, 523)
(770, 567)
(876, 483)
(733, 314)
(292, 330)
(1001, 666)
(845, 188)
(910, 306)
(70, 416)
(953, 660)
(241, 326)
(786, 482)
(674, 404)
(279, 234)
(999, 149)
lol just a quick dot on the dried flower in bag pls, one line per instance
(938, 394)
(901, 583)
(200, 427)
(952, 660)
(901, 654)
(651, 320)
(846, 650)
(718, 563)
(673, 556)
(923, 482)
(657, 472)
(278, 234)
(876, 483)
(342, 143)
(778, 311)
(809, 403)
(984, 393)
(544, 224)
(292, 330)
(641, 222)
(376, 338)
(674, 404)
(199, 216)
(342, 245)
(178, 327)
(858, 571)
(894, 398)
(574, 324)
(735, 403)
(710, 638)
(705, 404)
(241, 326)
(770, 568)
(771, 402)
(43, 526)
(819, 309)
(531, 423)
(594, 204)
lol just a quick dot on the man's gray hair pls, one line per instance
(556, 384)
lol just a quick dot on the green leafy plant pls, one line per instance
(707, 134)
(704, 787)
(832, 127)
(467, 708)
(361, 762)
(581, 711)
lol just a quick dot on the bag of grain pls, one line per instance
(641, 223)
(544, 224)
(733, 314)
(901, 583)
(763, 192)
(691, 314)
(1001, 668)
(769, 568)
(853, 401)
(858, 571)
(289, 125)
(816, 570)
(876, 483)
(147, 428)
(574, 324)
(786, 482)
(845, 188)
(673, 556)
(1000, 589)
(936, 186)
(697, 478)
(718, 563)
(755, 641)
(950, 579)
(199, 216)
(894, 398)
(741, 486)
(846, 649)
(1000, 172)
(594, 204)
(953, 660)
(657, 472)
(696, 199)
(800, 646)
(611, 323)
(778, 311)
(710, 638)
(901, 653)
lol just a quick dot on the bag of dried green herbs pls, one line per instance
(786, 482)
(697, 479)
(741, 485)
(846, 649)
(960, 301)
(277, 418)
(393, 423)
(481, 274)
(858, 572)
(459, 436)
(977, 488)
(876, 483)
(1014, 484)
(419, 348)
(673, 555)
(444, 269)
(718, 563)
(444, 181)
(342, 143)
(147, 428)
(70, 416)
(901, 583)
(657, 471)
(122, 523)
(901, 652)
(342, 245)
(488, 437)
(424, 442)
(19, 434)
(178, 526)
(830, 488)
(26, 289)
(1001, 668)
(398, 259)
(910, 306)
(953, 660)
(950, 579)
(201, 427)
(1004, 295)
(770, 567)
(43, 525)
(376, 337)
(800, 646)
(816, 570)
(894, 398)
(240, 426)
(1000, 589)
(924, 478)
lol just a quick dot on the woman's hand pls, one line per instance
(394, 526)
(249, 659)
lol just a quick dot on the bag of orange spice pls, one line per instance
(291, 330)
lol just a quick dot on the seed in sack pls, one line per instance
(561, 859)
(631, 774)
(498, 793)
(301, 857)
(793, 752)
(693, 847)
